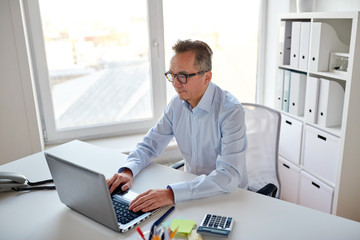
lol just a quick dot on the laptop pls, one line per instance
(86, 192)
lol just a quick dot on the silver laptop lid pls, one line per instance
(86, 192)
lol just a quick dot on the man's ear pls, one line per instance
(208, 76)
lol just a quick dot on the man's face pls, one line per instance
(196, 86)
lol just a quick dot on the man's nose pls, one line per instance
(177, 83)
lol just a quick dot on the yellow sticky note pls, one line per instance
(182, 225)
(194, 235)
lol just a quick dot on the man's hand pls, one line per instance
(152, 199)
(125, 178)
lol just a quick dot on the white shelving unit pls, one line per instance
(326, 149)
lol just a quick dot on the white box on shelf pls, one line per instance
(297, 93)
(289, 175)
(279, 90)
(321, 160)
(286, 91)
(295, 44)
(331, 103)
(284, 42)
(314, 193)
(290, 138)
(324, 40)
(311, 99)
(304, 45)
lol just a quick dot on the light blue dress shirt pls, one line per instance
(211, 138)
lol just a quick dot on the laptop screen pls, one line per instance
(86, 192)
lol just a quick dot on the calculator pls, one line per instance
(216, 225)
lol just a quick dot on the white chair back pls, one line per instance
(263, 131)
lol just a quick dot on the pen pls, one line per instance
(141, 233)
(159, 221)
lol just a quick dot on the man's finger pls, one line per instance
(111, 180)
(138, 201)
(151, 207)
(115, 184)
(126, 186)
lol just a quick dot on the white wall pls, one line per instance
(19, 129)
(275, 7)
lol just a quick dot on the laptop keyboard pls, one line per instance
(122, 212)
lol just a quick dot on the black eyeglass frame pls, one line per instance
(173, 76)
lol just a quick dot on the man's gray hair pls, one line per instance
(202, 51)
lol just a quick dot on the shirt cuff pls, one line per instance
(181, 191)
(131, 166)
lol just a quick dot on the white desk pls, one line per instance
(40, 215)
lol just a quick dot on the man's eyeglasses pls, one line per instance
(181, 77)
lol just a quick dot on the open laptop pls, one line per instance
(86, 192)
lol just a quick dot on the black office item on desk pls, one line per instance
(10, 181)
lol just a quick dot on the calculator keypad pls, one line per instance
(215, 221)
(216, 225)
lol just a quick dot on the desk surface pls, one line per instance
(41, 215)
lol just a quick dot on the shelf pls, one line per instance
(302, 168)
(300, 118)
(336, 131)
(333, 75)
(319, 15)
(334, 38)
(288, 67)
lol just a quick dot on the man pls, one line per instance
(208, 125)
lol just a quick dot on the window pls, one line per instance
(95, 67)
(100, 68)
(98, 61)
(231, 30)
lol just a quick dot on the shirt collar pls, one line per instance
(206, 100)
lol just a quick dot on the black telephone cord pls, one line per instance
(35, 186)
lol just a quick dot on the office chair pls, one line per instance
(263, 132)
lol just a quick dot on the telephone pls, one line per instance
(10, 181)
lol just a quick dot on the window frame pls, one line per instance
(40, 72)
(261, 54)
